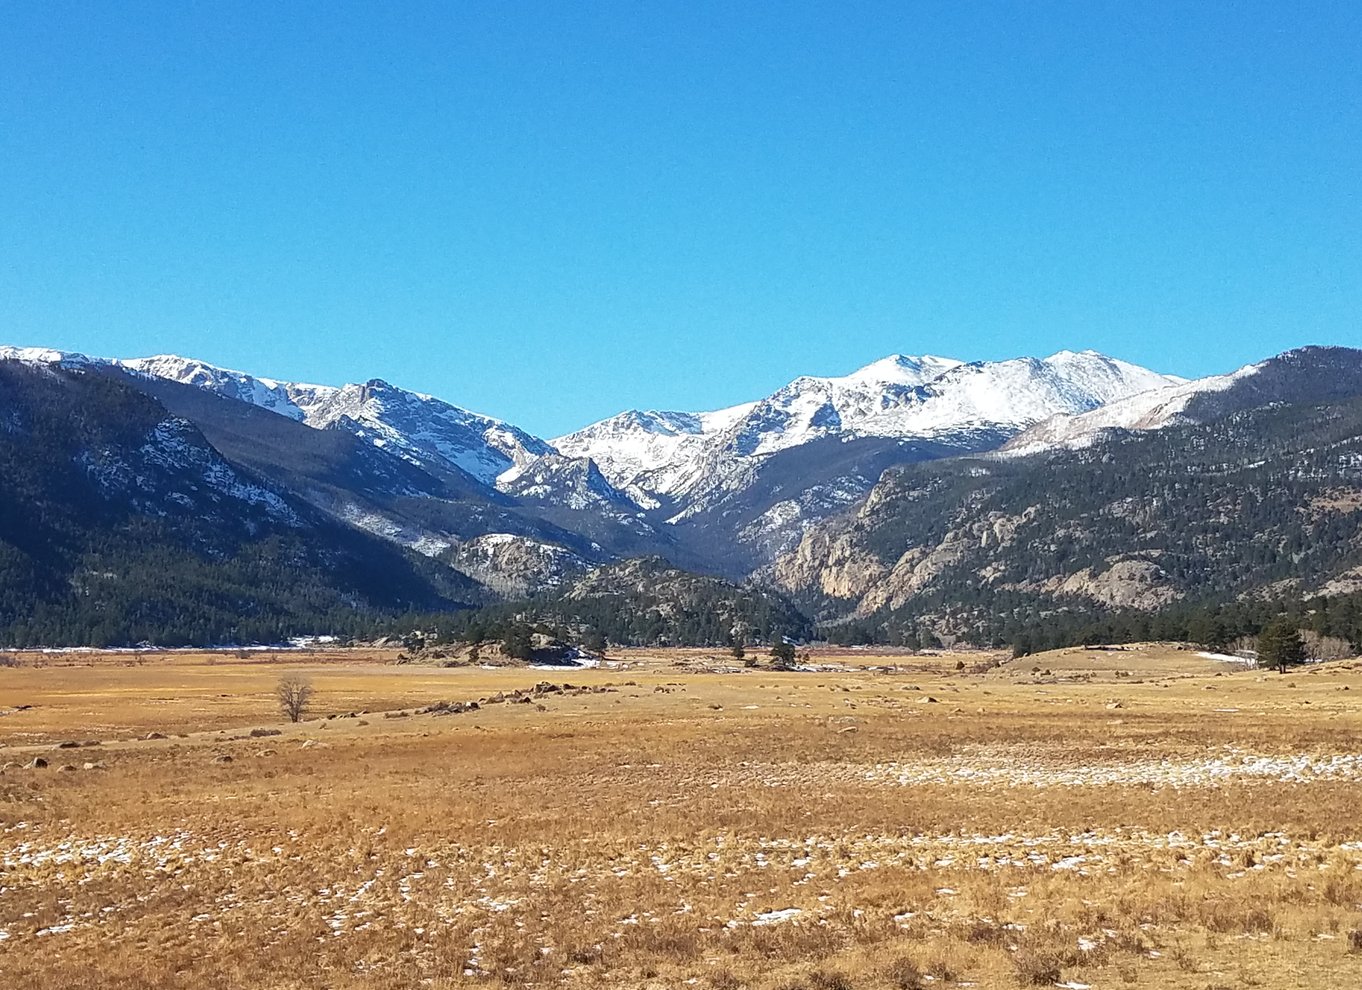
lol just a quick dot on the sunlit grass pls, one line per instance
(811, 830)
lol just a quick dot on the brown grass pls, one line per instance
(826, 830)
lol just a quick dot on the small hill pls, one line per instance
(644, 602)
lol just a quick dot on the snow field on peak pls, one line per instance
(411, 424)
(1148, 410)
(42, 355)
(660, 457)
(900, 369)
(674, 454)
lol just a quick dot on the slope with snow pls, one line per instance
(411, 424)
(963, 397)
(267, 393)
(516, 565)
(415, 426)
(411, 469)
(747, 477)
(44, 355)
(679, 455)
(574, 482)
(650, 453)
(418, 426)
(1151, 410)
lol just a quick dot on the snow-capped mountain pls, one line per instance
(413, 425)
(1303, 375)
(650, 453)
(44, 355)
(663, 453)
(237, 505)
(285, 398)
(407, 467)
(672, 455)
(746, 481)
(1151, 410)
(122, 522)
(930, 400)
(1227, 488)
(732, 487)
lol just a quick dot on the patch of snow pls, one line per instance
(576, 660)
(775, 917)
(1228, 658)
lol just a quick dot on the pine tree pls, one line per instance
(517, 642)
(1280, 645)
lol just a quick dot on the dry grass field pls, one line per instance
(1141, 818)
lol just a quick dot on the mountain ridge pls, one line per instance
(897, 396)
(1254, 493)
(807, 489)
(120, 522)
(725, 491)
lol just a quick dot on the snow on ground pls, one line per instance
(1231, 768)
(1227, 658)
(570, 665)
(573, 660)
(775, 917)
(1005, 767)
(442, 881)
(1153, 409)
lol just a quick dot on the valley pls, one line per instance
(680, 496)
(579, 718)
(1143, 817)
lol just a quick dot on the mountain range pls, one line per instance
(1248, 487)
(780, 489)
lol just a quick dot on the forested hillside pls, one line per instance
(169, 509)
(642, 602)
(1261, 504)
(120, 524)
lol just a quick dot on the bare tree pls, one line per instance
(1319, 647)
(294, 693)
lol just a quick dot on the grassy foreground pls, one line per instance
(1142, 818)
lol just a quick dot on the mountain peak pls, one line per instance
(417, 427)
(1303, 374)
(901, 369)
(899, 397)
(44, 355)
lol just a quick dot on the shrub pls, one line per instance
(829, 979)
(1036, 968)
(904, 974)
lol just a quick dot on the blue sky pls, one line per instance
(551, 212)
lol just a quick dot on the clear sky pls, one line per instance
(551, 212)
